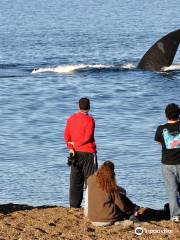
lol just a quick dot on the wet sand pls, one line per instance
(23, 222)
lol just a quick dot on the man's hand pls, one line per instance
(71, 143)
(72, 152)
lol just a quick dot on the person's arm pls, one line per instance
(67, 137)
(124, 203)
(88, 135)
(158, 136)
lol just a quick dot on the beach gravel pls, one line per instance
(21, 222)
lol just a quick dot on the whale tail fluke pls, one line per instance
(162, 53)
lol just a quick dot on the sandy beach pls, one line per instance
(23, 222)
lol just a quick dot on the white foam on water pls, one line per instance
(171, 68)
(128, 66)
(70, 68)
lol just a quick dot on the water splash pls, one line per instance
(128, 66)
(174, 67)
(77, 67)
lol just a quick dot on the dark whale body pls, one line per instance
(162, 53)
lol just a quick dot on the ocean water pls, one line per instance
(54, 52)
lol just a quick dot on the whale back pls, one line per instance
(162, 53)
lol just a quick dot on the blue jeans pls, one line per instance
(171, 174)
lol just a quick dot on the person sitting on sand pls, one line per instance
(106, 203)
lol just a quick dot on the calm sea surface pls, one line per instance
(81, 49)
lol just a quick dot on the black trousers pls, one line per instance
(86, 165)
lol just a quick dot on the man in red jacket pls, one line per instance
(79, 137)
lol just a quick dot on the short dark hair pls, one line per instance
(84, 104)
(172, 111)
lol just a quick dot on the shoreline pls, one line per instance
(24, 222)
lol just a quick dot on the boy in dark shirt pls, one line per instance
(168, 135)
